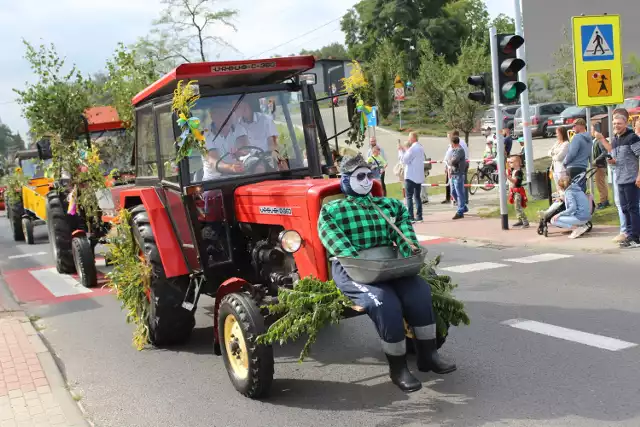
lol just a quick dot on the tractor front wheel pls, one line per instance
(27, 230)
(249, 364)
(169, 323)
(85, 262)
(15, 212)
(59, 227)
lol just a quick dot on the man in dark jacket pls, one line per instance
(579, 153)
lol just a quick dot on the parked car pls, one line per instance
(570, 115)
(539, 115)
(489, 123)
(632, 105)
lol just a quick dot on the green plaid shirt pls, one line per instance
(352, 224)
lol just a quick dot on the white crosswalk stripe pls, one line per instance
(538, 258)
(26, 255)
(598, 341)
(59, 285)
(469, 268)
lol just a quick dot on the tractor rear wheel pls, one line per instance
(27, 230)
(15, 212)
(169, 323)
(85, 261)
(60, 225)
(249, 364)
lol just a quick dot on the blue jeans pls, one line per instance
(624, 228)
(413, 193)
(387, 303)
(457, 191)
(630, 203)
(567, 221)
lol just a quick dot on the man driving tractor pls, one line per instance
(349, 226)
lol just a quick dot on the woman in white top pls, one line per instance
(558, 152)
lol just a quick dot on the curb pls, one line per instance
(51, 365)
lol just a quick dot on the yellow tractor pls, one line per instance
(25, 209)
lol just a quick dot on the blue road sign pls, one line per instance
(597, 42)
(372, 117)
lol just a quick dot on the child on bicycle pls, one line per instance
(489, 156)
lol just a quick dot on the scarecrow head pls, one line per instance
(357, 178)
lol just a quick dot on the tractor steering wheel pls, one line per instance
(251, 158)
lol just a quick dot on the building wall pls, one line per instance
(544, 21)
(324, 81)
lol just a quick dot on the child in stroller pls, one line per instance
(559, 206)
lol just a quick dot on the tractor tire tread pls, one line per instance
(15, 212)
(169, 323)
(60, 226)
(261, 367)
(85, 262)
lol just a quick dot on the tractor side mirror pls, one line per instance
(351, 107)
(310, 78)
(44, 149)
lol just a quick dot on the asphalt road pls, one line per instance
(435, 147)
(506, 376)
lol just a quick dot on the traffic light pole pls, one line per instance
(524, 100)
(502, 184)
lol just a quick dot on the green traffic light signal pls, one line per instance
(509, 65)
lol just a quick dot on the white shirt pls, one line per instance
(447, 155)
(223, 144)
(260, 130)
(413, 159)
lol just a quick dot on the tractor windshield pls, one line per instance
(34, 168)
(116, 148)
(249, 134)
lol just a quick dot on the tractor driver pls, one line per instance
(261, 128)
(222, 141)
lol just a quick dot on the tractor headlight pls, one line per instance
(290, 241)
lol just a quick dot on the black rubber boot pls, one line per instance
(401, 375)
(429, 359)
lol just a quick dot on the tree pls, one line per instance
(184, 32)
(564, 86)
(386, 64)
(458, 111)
(430, 79)
(504, 24)
(9, 142)
(446, 23)
(128, 73)
(332, 51)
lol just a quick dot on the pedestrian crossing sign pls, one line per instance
(597, 57)
(597, 42)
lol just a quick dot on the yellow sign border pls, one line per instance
(581, 68)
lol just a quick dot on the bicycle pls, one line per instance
(489, 175)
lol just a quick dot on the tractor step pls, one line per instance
(195, 282)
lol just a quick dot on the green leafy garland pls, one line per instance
(184, 100)
(314, 304)
(15, 181)
(357, 87)
(130, 277)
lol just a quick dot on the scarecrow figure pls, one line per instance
(352, 225)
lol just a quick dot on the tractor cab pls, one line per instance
(104, 130)
(239, 220)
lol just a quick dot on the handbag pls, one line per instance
(381, 264)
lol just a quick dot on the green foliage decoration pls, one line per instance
(313, 304)
(15, 181)
(130, 277)
(185, 97)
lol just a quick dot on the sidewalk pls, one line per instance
(32, 390)
(473, 228)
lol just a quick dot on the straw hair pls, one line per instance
(564, 182)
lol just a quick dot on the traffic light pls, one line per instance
(483, 96)
(508, 67)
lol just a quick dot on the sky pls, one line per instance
(86, 32)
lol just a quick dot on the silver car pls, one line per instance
(538, 116)
(488, 124)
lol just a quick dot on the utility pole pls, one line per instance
(502, 187)
(524, 99)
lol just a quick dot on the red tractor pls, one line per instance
(239, 223)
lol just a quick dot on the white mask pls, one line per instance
(361, 186)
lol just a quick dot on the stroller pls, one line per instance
(557, 207)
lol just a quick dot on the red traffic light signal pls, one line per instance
(509, 44)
